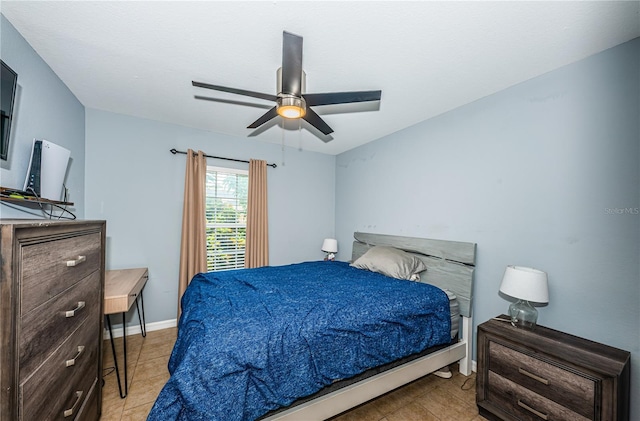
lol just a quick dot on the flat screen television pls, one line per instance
(8, 83)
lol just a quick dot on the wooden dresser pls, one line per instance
(545, 374)
(51, 297)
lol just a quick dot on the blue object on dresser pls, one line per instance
(254, 340)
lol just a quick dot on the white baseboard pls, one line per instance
(134, 329)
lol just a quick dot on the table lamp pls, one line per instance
(525, 284)
(330, 246)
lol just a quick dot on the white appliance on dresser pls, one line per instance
(51, 319)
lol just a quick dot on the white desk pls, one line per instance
(121, 289)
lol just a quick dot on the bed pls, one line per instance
(311, 340)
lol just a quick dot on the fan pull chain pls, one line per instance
(300, 135)
(282, 144)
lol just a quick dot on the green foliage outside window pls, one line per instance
(226, 214)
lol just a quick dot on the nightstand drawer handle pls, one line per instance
(72, 313)
(73, 360)
(69, 412)
(77, 261)
(533, 411)
(533, 376)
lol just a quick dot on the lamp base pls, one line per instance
(330, 257)
(523, 315)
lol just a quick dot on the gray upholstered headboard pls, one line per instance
(450, 264)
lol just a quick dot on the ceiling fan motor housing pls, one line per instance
(291, 105)
(303, 83)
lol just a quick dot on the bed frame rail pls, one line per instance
(351, 396)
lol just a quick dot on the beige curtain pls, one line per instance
(193, 250)
(257, 247)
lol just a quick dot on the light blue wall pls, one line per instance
(44, 109)
(136, 184)
(543, 174)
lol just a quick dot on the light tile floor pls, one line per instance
(147, 360)
(427, 399)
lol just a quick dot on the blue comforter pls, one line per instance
(253, 340)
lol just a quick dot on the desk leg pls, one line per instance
(143, 323)
(115, 358)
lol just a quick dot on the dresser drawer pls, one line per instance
(89, 410)
(567, 388)
(45, 328)
(525, 404)
(72, 368)
(46, 271)
(65, 405)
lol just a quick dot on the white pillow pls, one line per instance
(391, 262)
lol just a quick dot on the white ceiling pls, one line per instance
(139, 58)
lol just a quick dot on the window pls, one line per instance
(226, 213)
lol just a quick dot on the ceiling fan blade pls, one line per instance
(263, 119)
(315, 120)
(260, 95)
(341, 97)
(291, 64)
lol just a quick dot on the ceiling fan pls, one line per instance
(291, 101)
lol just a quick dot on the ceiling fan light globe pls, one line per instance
(291, 107)
(291, 111)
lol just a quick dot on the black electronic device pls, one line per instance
(33, 177)
(8, 84)
(47, 169)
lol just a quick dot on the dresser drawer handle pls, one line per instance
(533, 411)
(77, 261)
(73, 360)
(533, 376)
(72, 313)
(69, 412)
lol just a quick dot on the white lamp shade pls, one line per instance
(525, 284)
(330, 245)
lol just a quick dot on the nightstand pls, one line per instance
(544, 374)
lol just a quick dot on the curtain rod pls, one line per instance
(175, 151)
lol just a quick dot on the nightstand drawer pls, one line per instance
(567, 388)
(525, 404)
